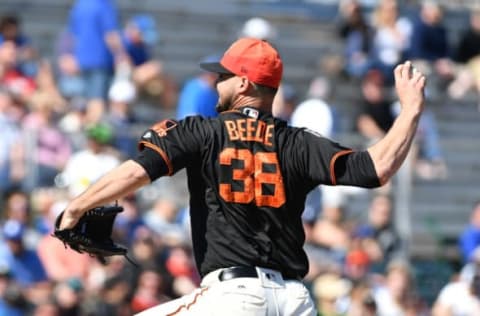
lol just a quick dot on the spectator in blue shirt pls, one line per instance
(93, 27)
(24, 264)
(470, 237)
(10, 31)
(429, 42)
(139, 38)
(429, 36)
(199, 96)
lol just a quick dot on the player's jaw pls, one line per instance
(226, 97)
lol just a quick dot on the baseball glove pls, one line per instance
(92, 233)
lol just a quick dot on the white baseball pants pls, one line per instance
(266, 295)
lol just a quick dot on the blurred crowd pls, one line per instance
(66, 121)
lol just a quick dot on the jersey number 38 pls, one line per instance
(259, 184)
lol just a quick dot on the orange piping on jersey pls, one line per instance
(189, 305)
(161, 153)
(332, 164)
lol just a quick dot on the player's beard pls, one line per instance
(222, 106)
(226, 99)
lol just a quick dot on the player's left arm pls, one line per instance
(376, 165)
(329, 163)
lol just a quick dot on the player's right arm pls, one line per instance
(164, 149)
(390, 152)
(118, 182)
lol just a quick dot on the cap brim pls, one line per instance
(215, 67)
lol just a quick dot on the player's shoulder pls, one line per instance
(304, 132)
(199, 122)
(191, 124)
(163, 126)
(297, 138)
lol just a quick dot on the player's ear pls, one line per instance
(243, 84)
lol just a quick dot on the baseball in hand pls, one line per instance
(412, 71)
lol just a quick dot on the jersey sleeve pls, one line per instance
(326, 162)
(317, 156)
(169, 145)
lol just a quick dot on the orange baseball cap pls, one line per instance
(253, 58)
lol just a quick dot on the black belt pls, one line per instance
(237, 272)
(240, 272)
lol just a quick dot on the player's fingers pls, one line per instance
(398, 71)
(421, 81)
(67, 222)
(406, 69)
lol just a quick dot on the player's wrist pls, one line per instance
(412, 112)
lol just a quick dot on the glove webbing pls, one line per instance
(100, 258)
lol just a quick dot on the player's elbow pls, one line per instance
(385, 166)
(136, 173)
(384, 173)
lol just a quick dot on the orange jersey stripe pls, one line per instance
(333, 177)
(161, 153)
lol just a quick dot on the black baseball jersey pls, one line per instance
(248, 176)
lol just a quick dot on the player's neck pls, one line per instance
(261, 104)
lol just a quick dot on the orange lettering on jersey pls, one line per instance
(232, 130)
(260, 131)
(241, 129)
(269, 135)
(251, 129)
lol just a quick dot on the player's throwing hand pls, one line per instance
(410, 84)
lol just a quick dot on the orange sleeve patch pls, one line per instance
(162, 127)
